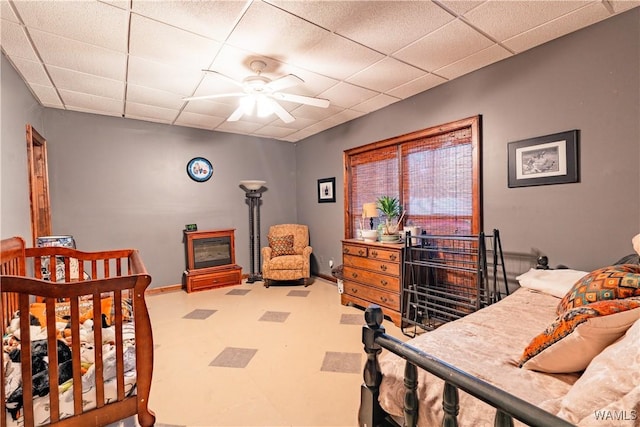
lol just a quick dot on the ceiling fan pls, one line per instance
(261, 94)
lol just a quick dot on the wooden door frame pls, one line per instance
(38, 184)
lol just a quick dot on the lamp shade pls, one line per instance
(369, 210)
(253, 184)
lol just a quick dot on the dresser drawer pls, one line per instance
(384, 255)
(376, 296)
(386, 267)
(355, 250)
(381, 281)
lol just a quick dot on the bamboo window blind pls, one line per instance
(434, 172)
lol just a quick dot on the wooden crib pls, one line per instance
(42, 314)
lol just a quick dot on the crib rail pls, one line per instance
(371, 414)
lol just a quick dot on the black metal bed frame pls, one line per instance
(371, 414)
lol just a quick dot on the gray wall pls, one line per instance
(589, 80)
(122, 183)
(18, 108)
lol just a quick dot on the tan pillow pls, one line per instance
(578, 335)
(615, 375)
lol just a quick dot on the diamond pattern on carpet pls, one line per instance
(342, 362)
(233, 357)
(274, 316)
(199, 314)
(352, 319)
(238, 292)
(298, 293)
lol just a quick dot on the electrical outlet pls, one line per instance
(331, 263)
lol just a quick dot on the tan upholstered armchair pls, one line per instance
(288, 255)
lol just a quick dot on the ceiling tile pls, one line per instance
(7, 13)
(474, 62)
(154, 75)
(347, 95)
(82, 57)
(151, 113)
(148, 96)
(416, 86)
(169, 45)
(15, 42)
(87, 102)
(337, 57)
(444, 46)
(362, 21)
(91, 22)
(32, 72)
(502, 20)
(47, 96)
(261, 31)
(557, 28)
(198, 120)
(315, 113)
(375, 103)
(274, 131)
(213, 19)
(238, 127)
(460, 7)
(86, 83)
(212, 108)
(385, 75)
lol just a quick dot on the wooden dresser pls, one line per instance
(373, 274)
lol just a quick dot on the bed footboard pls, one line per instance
(371, 413)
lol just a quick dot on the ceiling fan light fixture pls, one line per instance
(264, 106)
(248, 104)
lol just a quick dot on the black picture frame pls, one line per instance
(544, 160)
(327, 190)
(199, 169)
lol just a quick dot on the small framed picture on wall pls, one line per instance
(327, 190)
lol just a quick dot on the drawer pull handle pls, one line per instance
(361, 252)
(383, 267)
(374, 254)
(383, 299)
(345, 250)
(392, 257)
(354, 275)
(384, 282)
(354, 290)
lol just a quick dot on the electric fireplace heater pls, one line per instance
(210, 260)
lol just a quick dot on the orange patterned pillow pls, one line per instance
(608, 283)
(579, 334)
(281, 245)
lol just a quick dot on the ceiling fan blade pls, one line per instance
(234, 81)
(284, 115)
(235, 116)
(316, 102)
(284, 82)
(222, 95)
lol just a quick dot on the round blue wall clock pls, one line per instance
(199, 169)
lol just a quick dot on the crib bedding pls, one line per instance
(506, 325)
(41, 407)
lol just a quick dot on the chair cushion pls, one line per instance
(287, 262)
(281, 245)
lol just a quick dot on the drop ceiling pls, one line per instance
(139, 59)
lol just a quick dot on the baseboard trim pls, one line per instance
(176, 288)
(163, 289)
(325, 277)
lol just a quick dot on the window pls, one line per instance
(434, 172)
